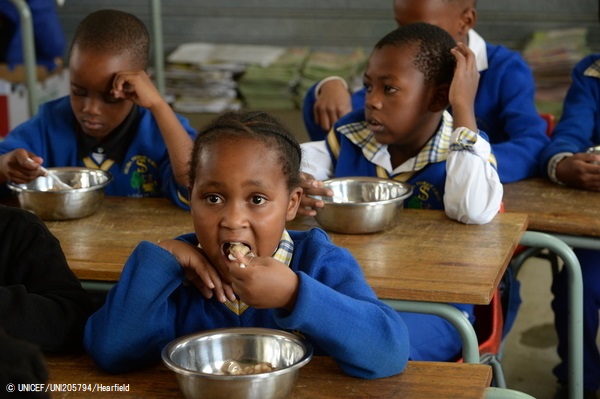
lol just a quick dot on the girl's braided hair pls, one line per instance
(256, 125)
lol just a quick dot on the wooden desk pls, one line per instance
(320, 378)
(426, 258)
(554, 208)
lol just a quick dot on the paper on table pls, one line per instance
(204, 53)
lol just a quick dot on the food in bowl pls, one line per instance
(45, 198)
(200, 362)
(231, 367)
(362, 205)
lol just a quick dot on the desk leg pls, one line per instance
(560, 248)
(503, 393)
(453, 315)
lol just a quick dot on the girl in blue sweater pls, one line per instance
(244, 187)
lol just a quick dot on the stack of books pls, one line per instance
(274, 86)
(348, 64)
(203, 77)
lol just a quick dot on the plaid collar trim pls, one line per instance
(593, 70)
(285, 249)
(436, 149)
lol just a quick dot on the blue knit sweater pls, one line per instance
(145, 172)
(336, 311)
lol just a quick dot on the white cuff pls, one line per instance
(554, 161)
(327, 79)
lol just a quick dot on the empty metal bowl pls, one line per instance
(200, 363)
(46, 199)
(362, 205)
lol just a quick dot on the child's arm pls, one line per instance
(580, 170)
(464, 88)
(137, 87)
(198, 270)
(332, 102)
(473, 192)
(19, 166)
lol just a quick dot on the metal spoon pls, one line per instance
(53, 176)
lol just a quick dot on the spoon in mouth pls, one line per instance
(53, 176)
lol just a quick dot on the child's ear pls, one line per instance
(468, 19)
(439, 100)
(293, 204)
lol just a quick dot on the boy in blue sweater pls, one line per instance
(114, 118)
(504, 105)
(405, 133)
(566, 161)
(244, 187)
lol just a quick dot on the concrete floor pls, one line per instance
(530, 348)
(529, 352)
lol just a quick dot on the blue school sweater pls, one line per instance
(146, 169)
(504, 108)
(336, 311)
(579, 125)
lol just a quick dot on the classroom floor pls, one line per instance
(529, 352)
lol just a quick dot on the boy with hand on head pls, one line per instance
(504, 105)
(566, 161)
(405, 133)
(114, 118)
(291, 280)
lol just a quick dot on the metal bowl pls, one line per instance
(197, 361)
(362, 205)
(43, 197)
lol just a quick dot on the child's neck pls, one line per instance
(400, 154)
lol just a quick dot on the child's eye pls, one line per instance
(258, 200)
(367, 87)
(110, 99)
(78, 92)
(390, 89)
(213, 199)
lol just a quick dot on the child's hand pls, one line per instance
(198, 270)
(20, 166)
(136, 86)
(464, 88)
(264, 283)
(310, 186)
(333, 102)
(581, 170)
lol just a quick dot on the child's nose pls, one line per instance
(234, 217)
(91, 106)
(372, 100)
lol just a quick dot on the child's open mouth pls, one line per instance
(233, 249)
(375, 126)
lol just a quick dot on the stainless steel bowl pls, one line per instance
(197, 360)
(43, 197)
(362, 205)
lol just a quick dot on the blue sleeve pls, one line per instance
(338, 311)
(579, 125)
(516, 130)
(138, 317)
(177, 193)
